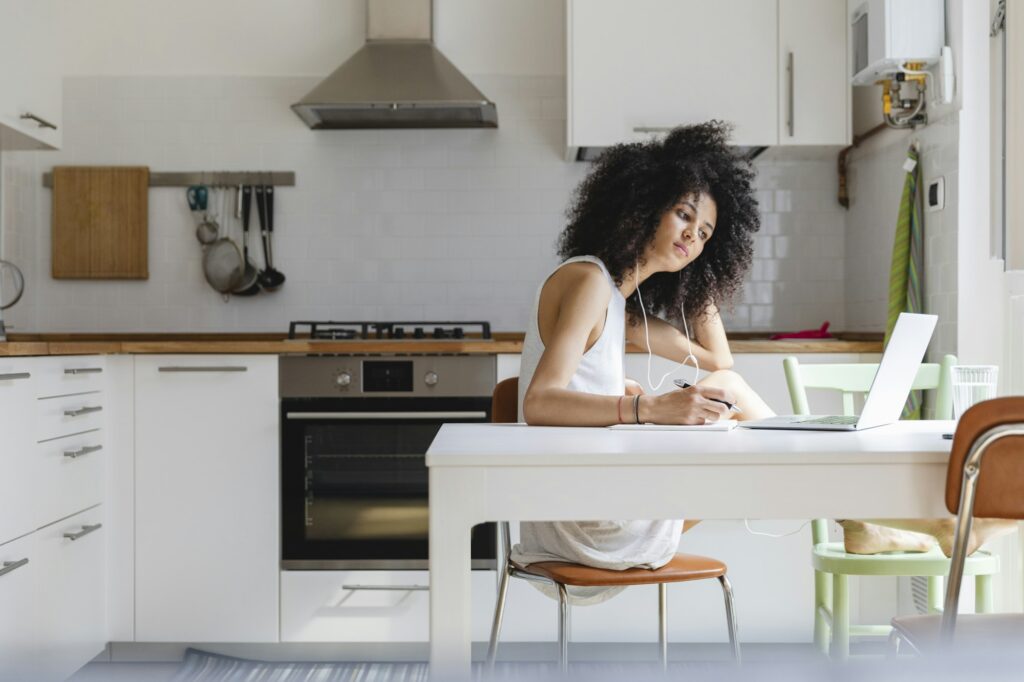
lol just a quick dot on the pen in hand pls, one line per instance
(683, 383)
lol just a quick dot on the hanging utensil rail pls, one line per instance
(212, 178)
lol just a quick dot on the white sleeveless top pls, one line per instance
(615, 545)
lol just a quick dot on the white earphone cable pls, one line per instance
(746, 522)
(647, 339)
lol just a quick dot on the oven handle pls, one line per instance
(386, 415)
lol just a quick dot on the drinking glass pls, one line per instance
(972, 384)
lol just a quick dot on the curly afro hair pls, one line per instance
(616, 210)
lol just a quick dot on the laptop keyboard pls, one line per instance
(845, 421)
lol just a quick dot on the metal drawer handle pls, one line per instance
(83, 370)
(82, 533)
(43, 123)
(790, 76)
(14, 376)
(387, 588)
(83, 410)
(225, 368)
(386, 415)
(9, 566)
(84, 450)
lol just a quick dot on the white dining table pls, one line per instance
(514, 472)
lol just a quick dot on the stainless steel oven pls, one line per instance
(354, 435)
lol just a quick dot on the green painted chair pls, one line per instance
(832, 565)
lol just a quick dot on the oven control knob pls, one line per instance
(430, 378)
(343, 379)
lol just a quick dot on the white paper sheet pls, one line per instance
(722, 425)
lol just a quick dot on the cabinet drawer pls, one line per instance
(18, 460)
(70, 475)
(369, 606)
(65, 415)
(20, 640)
(57, 376)
(72, 597)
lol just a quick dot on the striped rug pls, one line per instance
(202, 666)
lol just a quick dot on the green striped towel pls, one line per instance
(906, 289)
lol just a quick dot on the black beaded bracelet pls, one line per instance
(636, 408)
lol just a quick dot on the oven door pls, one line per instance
(354, 481)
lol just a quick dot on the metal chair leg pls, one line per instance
(499, 612)
(730, 616)
(663, 624)
(894, 645)
(563, 629)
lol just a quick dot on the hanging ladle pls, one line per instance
(249, 286)
(269, 278)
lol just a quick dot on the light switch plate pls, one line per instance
(935, 195)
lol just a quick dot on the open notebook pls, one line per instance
(722, 425)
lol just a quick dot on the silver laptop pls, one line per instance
(889, 389)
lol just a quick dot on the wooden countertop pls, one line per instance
(503, 342)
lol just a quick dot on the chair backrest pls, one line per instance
(1000, 483)
(852, 379)
(985, 478)
(505, 402)
(505, 410)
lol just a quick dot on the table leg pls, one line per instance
(451, 524)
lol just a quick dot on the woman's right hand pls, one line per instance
(692, 405)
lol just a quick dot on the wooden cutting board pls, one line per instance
(100, 222)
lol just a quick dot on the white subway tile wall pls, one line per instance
(453, 224)
(876, 178)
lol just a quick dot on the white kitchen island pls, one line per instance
(498, 472)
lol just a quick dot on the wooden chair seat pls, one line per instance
(682, 568)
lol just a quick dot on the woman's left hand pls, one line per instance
(633, 388)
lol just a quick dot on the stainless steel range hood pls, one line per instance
(397, 80)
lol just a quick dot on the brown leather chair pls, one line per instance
(682, 568)
(991, 432)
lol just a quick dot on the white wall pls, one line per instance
(382, 224)
(876, 178)
(295, 37)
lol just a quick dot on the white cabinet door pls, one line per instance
(30, 80)
(18, 463)
(206, 504)
(814, 90)
(662, 63)
(71, 600)
(20, 640)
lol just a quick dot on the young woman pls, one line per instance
(670, 223)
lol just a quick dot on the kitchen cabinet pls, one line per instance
(206, 498)
(52, 549)
(70, 435)
(18, 461)
(30, 82)
(646, 66)
(814, 87)
(20, 636)
(71, 594)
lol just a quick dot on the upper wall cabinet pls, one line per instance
(648, 65)
(30, 78)
(814, 86)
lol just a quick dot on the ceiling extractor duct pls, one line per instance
(398, 79)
